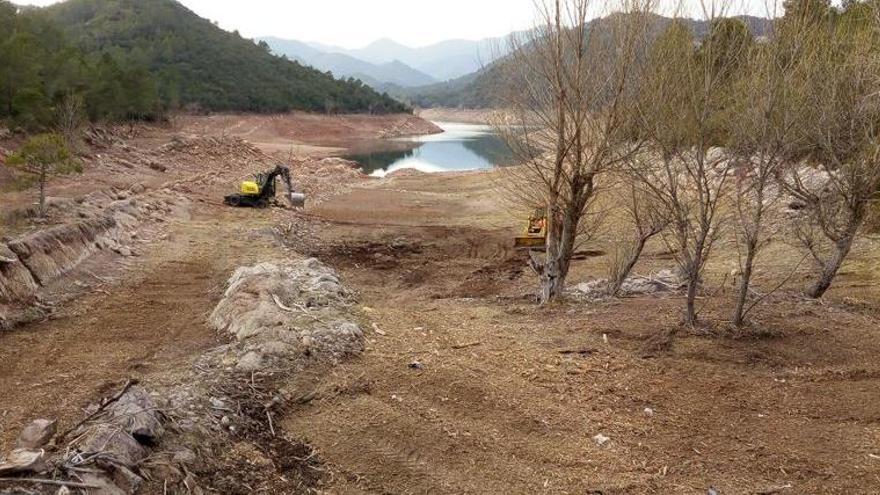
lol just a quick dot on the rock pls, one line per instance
(115, 442)
(252, 361)
(23, 461)
(123, 251)
(285, 310)
(415, 365)
(37, 434)
(186, 456)
(16, 281)
(649, 412)
(136, 413)
(106, 486)
(157, 166)
(138, 188)
(601, 439)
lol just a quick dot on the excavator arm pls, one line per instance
(296, 199)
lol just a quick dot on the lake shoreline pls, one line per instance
(461, 147)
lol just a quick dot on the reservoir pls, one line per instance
(460, 147)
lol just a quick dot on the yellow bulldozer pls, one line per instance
(535, 236)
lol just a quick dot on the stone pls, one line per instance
(252, 361)
(118, 444)
(601, 439)
(185, 456)
(136, 413)
(37, 434)
(21, 461)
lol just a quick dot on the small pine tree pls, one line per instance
(44, 156)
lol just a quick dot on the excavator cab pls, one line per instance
(258, 193)
(535, 235)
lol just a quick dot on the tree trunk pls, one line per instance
(627, 269)
(690, 317)
(832, 266)
(551, 282)
(743, 290)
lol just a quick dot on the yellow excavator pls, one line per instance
(258, 193)
(535, 236)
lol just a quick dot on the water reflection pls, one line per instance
(460, 147)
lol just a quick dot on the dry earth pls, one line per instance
(466, 386)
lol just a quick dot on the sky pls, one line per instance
(356, 23)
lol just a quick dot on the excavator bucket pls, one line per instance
(298, 200)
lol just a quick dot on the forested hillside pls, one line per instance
(135, 59)
(481, 89)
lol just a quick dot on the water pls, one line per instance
(460, 147)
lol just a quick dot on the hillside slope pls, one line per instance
(479, 89)
(199, 64)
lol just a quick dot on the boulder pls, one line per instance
(21, 461)
(283, 309)
(136, 413)
(16, 281)
(37, 434)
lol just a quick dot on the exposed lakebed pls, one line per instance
(460, 147)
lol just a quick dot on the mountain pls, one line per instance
(195, 63)
(442, 61)
(478, 89)
(394, 73)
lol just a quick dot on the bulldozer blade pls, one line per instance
(530, 243)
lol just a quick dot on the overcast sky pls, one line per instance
(355, 23)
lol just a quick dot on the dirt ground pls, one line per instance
(466, 385)
(507, 397)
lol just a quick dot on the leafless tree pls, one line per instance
(69, 119)
(569, 85)
(839, 175)
(763, 124)
(647, 220)
(683, 101)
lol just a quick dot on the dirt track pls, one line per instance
(473, 389)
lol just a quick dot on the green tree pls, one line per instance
(44, 156)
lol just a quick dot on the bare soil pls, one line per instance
(466, 385)
(507, 397)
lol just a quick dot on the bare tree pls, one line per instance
(69, 120)
(569, 86)
(684, 98)
(648, 220)
(840, 173)
(763, 121)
